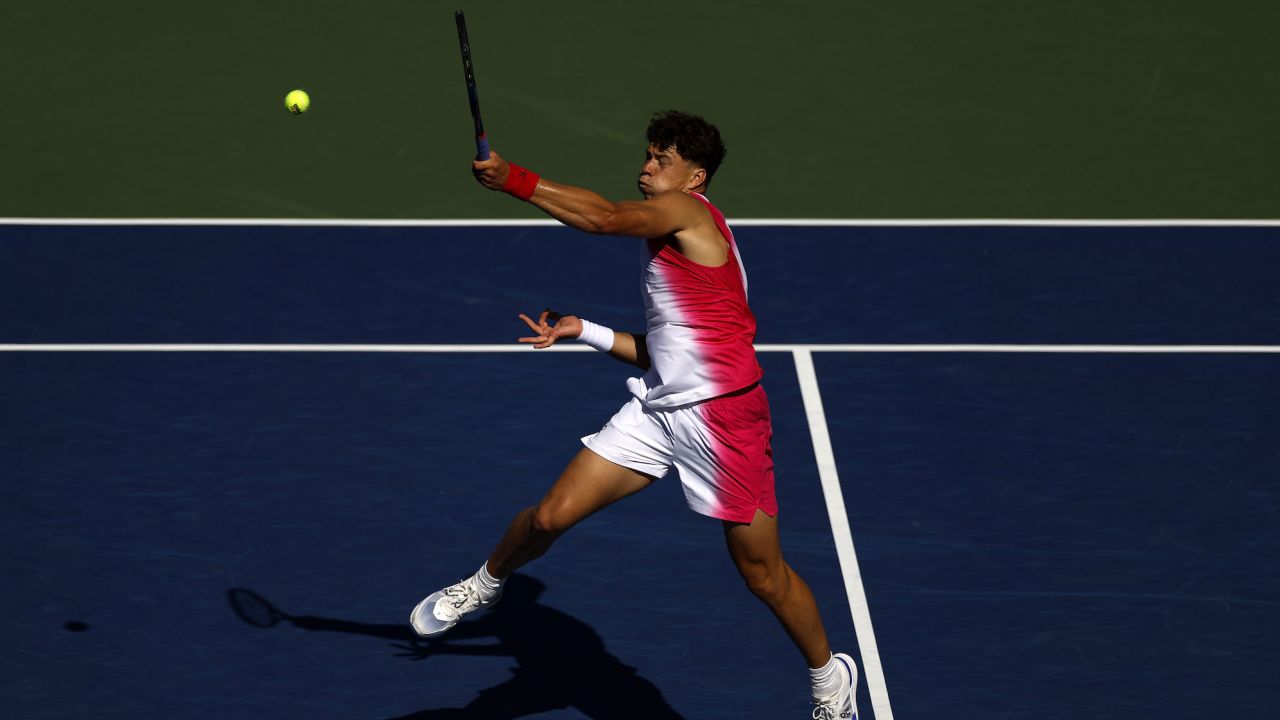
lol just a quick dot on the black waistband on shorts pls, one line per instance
(740, 391)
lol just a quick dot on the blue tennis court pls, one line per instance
(317, 424)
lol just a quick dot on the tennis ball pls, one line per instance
(297, 101)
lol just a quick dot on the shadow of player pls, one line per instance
(561, 661)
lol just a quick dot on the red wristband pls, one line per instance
(520, 182)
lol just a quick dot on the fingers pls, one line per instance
(532, 326)
(566, 326)
(544, 338)
(491, 173)
(495, 160)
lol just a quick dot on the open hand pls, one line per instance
(566, 326)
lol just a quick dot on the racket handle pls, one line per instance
(482, 147)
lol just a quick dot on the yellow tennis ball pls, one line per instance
(297, 101)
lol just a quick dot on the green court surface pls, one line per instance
(932, 109)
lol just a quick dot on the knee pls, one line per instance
(549, 519)
(770, 584)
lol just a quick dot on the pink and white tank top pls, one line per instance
(700, 330)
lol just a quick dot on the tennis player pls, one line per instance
(699, 406)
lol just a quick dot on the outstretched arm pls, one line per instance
(630, 348)
(664, 214)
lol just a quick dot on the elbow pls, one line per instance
(606, 223)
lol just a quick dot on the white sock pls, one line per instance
(487, 585)
(826, 680)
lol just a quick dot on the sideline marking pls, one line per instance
(839, 517)
(574, 347)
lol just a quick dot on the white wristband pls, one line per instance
(597, 336)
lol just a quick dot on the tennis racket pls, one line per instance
(482, 142)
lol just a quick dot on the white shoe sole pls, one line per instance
(424, 620)
(427, 623)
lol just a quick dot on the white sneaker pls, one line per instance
(443, 609)
(840, 706)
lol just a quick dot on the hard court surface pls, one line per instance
(1081, 533)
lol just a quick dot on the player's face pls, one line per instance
(663, 170)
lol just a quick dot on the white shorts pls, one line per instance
(721, 449)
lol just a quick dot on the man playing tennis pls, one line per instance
(699, 407)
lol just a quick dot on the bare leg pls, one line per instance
(588, 484)
(757, 553)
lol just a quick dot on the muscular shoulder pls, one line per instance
(680, 205)
(699, 237)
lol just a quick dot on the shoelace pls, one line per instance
(460, 595)
(824, 711)
(827, 709)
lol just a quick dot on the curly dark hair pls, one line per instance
(697, 140)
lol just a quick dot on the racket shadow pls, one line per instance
(255, 610)
(561, 661)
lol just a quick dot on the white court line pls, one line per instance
(1006, 348)
(574, 347)
(839, 517)
(547, 222)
